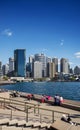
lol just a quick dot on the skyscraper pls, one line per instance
(31, 60)
(5, 69)
(55, 61)
(41, 58)
(20, 62)
(64, 66)
(11, 64)
(1, 73)
(51, 69)
(37, 69)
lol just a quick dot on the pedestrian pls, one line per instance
(56, 99)
(60, 100)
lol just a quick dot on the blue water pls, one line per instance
(69, 90)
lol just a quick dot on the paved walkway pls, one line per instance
(41, 115)
(74, 114)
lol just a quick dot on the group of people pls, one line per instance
(45, 98)
(30, 96)
(58, 100)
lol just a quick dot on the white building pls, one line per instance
(37, 69)
(41, 58)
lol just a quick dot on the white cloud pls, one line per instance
(62, 42)
(71, 63)
(44, 49)
(7, 32)
(77, 54)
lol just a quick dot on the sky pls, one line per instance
(51, 27)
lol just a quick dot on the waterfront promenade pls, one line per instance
(37, 113)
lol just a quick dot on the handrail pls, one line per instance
(29, 104)
(26, 106)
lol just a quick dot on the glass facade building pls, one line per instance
(20, 62)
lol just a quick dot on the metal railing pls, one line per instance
(26, 106)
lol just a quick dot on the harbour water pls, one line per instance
(69, 90)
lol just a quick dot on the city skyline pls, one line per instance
(51, 27)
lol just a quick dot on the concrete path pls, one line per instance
(40, 115)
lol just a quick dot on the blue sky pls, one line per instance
(48, 26)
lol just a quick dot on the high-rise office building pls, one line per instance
(29, 67)
(48, 59)
(11, 64)
(55, 61)
(5, 69)
(1, 73)
(51, 69)
(41, 58)
(76, 70)
(20, 62)
(31, 59)
(37, 69)
(64, 66)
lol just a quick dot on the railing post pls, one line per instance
(9, 101)
(34, 109)
(40, 118)
(26, 113)
(1, 127)
(4, 103)
(11, 115)
(52, 116)
(25, 107)
(38, 108)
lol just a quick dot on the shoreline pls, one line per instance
(6, 82)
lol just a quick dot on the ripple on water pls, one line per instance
(69, 90)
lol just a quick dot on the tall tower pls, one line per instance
(5, 69)
(64, 66)
(20, 62)
(31, 60)
(37, 69)
(1, 73)
(41, 58)
(11, 64)
(51, 69)
(55, 61)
